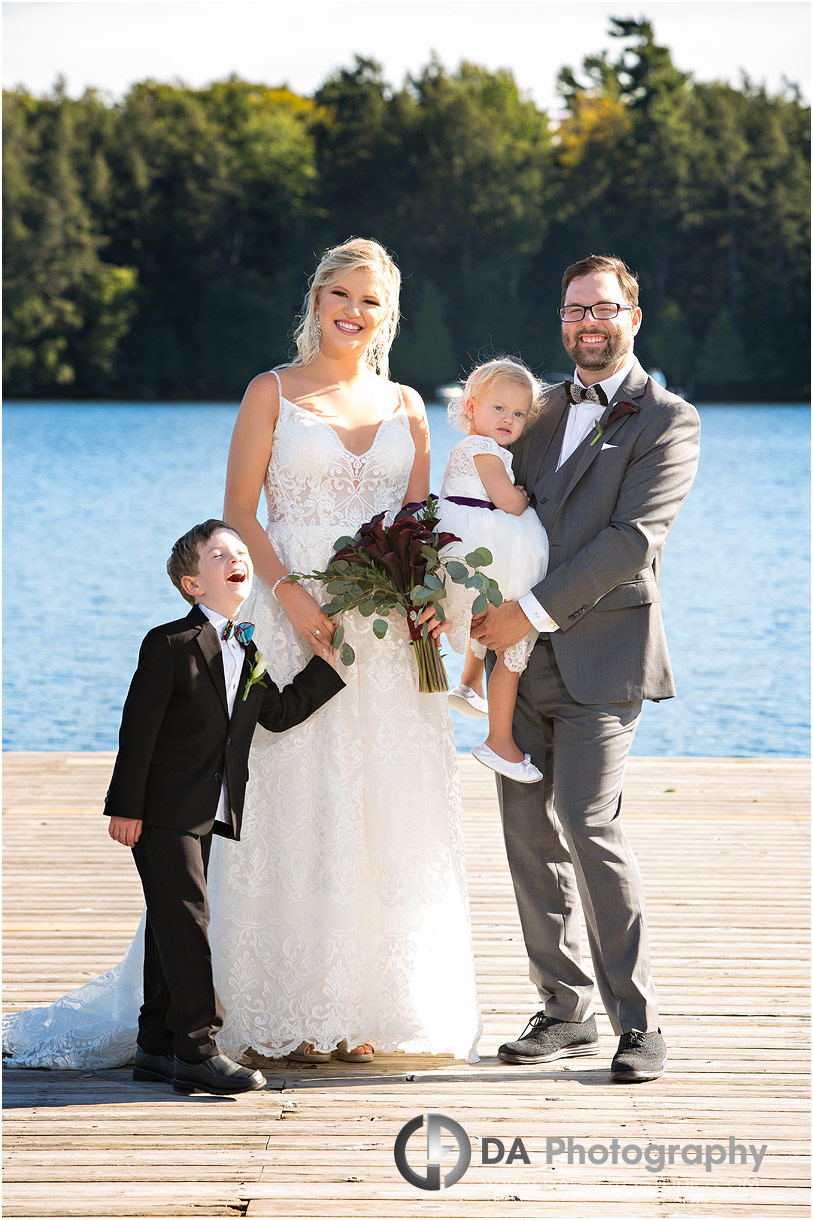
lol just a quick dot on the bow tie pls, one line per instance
(577, 393)
(242, 632)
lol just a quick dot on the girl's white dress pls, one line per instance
(343, 911)
(518, 543)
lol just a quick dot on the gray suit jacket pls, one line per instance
(608, 512)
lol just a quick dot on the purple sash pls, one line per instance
(469, 503)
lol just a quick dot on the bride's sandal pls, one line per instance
(307, 1053)
(365, 1053)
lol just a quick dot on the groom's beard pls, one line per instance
(617, 347)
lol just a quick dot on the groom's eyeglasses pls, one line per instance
(602, 311)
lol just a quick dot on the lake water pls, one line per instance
(95, 495)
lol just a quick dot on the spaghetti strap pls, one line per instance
(279, 383)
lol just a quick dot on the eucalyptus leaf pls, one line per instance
(342, 542)
(347, 654)
(367, 608)
(457, 570)
(380, 626)
(400, 609)
(479, 605)
(338, 636)
(480, 558)
(420, 597)
(494, 596)
(431, 581)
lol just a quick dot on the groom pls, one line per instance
(608, 462)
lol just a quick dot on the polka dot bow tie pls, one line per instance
(577, 393)
(242, 632)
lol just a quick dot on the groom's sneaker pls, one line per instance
(639, 1057)
(220, 1074)
(545, 1039)
(152, 1067)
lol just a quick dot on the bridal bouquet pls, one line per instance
(399, 568)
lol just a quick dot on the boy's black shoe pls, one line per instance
(152, 1067)
(545, 1039)
(220, 1074)
(639, 1056)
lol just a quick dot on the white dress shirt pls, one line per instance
(581, 418)
(233, 656)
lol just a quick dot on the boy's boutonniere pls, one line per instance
(258, 672)
(616, 411)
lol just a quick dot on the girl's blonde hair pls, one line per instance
(356, 254)
(484, 376)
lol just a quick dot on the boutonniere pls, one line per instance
(257, 673)
(616, 411)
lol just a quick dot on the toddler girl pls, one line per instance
(481, 504)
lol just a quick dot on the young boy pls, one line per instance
(180, 774)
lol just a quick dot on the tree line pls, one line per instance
(157, 247)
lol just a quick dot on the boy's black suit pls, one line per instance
(176, 738)
(175, 744)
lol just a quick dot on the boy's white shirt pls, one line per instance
(581, 417)
(233, 654)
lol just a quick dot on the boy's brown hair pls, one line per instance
(184, 559)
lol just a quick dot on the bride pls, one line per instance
(340, 920)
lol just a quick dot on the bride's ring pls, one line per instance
(316, 631)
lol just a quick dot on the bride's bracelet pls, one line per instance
(285, 576)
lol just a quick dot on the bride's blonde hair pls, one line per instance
(357, 254)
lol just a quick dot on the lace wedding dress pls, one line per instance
(343, 910)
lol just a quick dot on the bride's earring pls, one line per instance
(317, 328)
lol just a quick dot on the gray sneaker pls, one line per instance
(545, 1038)
(639, 1056)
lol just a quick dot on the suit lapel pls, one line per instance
(581, 460)
(546, 440)
(209, 645)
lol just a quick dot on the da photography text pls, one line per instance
(432, 1152)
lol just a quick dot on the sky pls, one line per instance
(110, 44)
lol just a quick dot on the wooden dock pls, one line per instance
(724, 853)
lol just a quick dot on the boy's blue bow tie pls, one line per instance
(242, 632)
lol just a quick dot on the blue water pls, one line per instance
(95, 495)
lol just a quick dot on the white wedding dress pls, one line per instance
(343, 911)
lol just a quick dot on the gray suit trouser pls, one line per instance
(567, 850)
